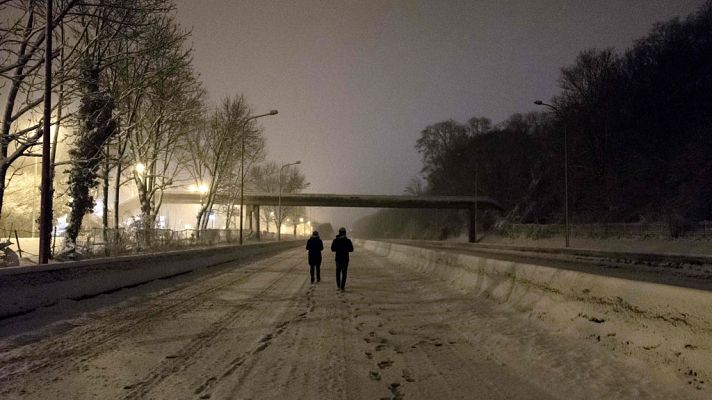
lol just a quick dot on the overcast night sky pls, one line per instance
(356, 82)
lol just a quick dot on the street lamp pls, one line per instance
(279, 200)
(566, 168)
(242, 165)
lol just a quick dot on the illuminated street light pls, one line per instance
(279, 201)
(242, 164)
(566, 168)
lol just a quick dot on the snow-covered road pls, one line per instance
(262, 331)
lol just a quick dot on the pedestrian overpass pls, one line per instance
(255, 200)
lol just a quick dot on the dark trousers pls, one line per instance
(342, 268)
(315, 266)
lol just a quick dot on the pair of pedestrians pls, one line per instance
(341, 245)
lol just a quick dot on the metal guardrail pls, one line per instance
(702, 229)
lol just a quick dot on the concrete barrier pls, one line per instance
(24, 289)
(662, 324)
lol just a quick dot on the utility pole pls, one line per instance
(46, 190)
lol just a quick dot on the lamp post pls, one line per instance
(474, 228)
(242, 164)
(566, 167)
(279, 200)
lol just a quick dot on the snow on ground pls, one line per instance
(262, 331)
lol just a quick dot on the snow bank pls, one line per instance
(26, 288)
(665, 325)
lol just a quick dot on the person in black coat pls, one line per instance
(342, 246)
(314, 247)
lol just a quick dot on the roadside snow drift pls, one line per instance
(666, 325)
(24, 289)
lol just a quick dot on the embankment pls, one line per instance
(24, 289)
(664, 325)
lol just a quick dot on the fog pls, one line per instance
(356, 82)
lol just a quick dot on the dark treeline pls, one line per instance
(639, 129)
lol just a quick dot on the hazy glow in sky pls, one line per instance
(356, 81)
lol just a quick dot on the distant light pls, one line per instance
(301, 219)
(202, 188)
(271, 213)
(140, 168)
(98, 208)
(52, 129)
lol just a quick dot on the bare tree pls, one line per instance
(415, 187)
(103, 28)
(229, 189)
(265, 178)
(162, 114)
(22, 39)
(214, 151)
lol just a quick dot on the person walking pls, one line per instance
(342, 246)
(314, 247)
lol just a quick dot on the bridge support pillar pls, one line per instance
(472, 234)
(258, 232)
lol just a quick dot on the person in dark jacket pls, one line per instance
(314, 247)
(342, 246)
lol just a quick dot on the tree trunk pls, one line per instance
(97, 125)
(123, 143)
(3, 175)
(117, 187)
(228, 215)
(147, 215)
(105, 200)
